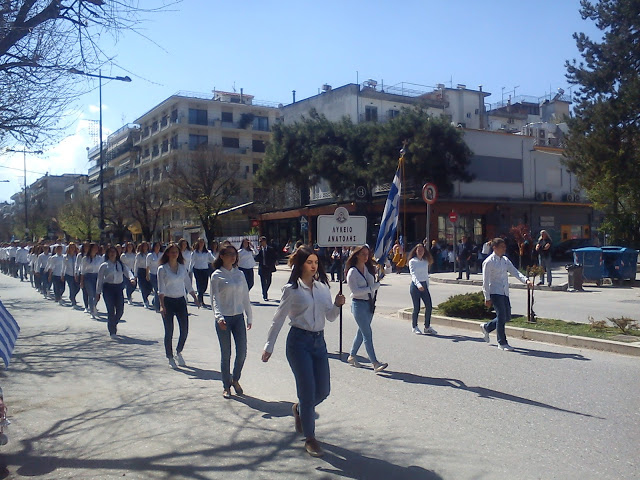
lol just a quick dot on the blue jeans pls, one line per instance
(416, 296)
(114, 301)
(237, 328)
(145, 286)
(44, 281)
(153, 279)
(309, 362)
(74, 288)
(129, 287)
(363, 315)
(502, 306)
(545, 262)
(90, 283)
(175, 307)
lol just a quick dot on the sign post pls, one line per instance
(429, 195)
(453, 218)
(341, 230)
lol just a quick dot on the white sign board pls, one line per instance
(341, 229)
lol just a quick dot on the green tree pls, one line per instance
(348, 155)
(603, 145)
(79, 219)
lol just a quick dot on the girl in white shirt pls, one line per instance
(69, 272)
(89, 278)
(128, 259)
(306, 300)
(201, 260)
(140, 270)
(153, 261)
(419, 261)
(55, 267)
(246, 261)
(173, 285)
(41, 265)
(364, 288)
(230, 303)
(111, 274)
(186, 252)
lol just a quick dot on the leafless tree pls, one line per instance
(146, 202)
(205, 182)
(40, 41)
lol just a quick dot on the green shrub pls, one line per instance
(468, 305)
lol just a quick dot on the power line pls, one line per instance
(22, 170)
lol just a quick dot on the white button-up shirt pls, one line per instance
(55, 265)
(307, 308)
(495, 275)
(361, 286)
(113, 273)
(201, 260)
(41, 263)
(90, 265)
(419, 270)
(22, 255)
(69, 265)
(230, 294)
(174, 284)
(153, 260)
(129, 260)
(246, 258)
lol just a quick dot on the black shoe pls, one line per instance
(540, 283)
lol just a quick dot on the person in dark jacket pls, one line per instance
(266, 259)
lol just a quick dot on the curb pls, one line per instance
(554, 288)
(538, 335)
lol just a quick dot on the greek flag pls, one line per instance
(9, 330)
(389, 223)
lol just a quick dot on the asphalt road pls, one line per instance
(449, 407)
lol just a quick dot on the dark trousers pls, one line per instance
(143, 283)
(114, 301)
(502, 306)
(13, 268)
(463, 266)
(23, 269)
(90, 281)
(308, 359)
(248, 274)
(74, 288)
(202, 281)
(416, 297)
(44, 281)
(58, 287)
(37, 280)
(237, 328)
(153, 279)
(265, 281)
(129, 288)
(175, 307)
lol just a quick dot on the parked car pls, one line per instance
(563, 250)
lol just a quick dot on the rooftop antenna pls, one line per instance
(234, 86)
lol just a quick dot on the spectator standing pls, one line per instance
(543, 249)
(465, 251)
(495, 287)
(419, 261)
(306, 300)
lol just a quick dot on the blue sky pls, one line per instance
(270, 48)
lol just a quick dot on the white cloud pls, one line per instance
(96, 108)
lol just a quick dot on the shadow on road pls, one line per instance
(482, 392)
(349, 464)
(552, 355)
(278, 409)
(199, 373)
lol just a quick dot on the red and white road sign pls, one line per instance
(453, 217)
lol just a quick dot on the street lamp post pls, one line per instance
(99, 76)
(24, 157)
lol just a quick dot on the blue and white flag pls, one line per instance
(9, 330)
(389, 223)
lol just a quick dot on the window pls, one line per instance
(511, 121)
(226, 117)
(174, 115)
(468, 114)
(229, 142)
(165, 145)
(154, 126)
(370, 114)
(261, 123)
(174, 142)
(145, 132)
(155, 150)
(393, 113)
(197, 141)
(147, 175)
(197, 116)
(258, 146)
(146, 152)
(164, 122)
(256, 167)
(156, 173)
(541, 134)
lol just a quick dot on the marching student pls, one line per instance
(419, 261)
(230, 303)
(84, 251)
(55, 268)
(246, 261)
(128, 259)
(306, 300)
(173, 285)
(111, 274)
(495, 287)
(89, 278)
(140, 270)
(153, 261)
(41, 265)
(201, 260)
(361, 281)
(69, 272)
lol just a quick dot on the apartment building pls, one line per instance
(186, 122)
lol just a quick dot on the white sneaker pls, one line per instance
(506, 347)
(429, 331)
(179, 360)
(172, 363)
(113, 336)
(416, 330)
(86, 310)
(484, 331)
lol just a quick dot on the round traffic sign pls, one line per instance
(453, 217)
(429, 193)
